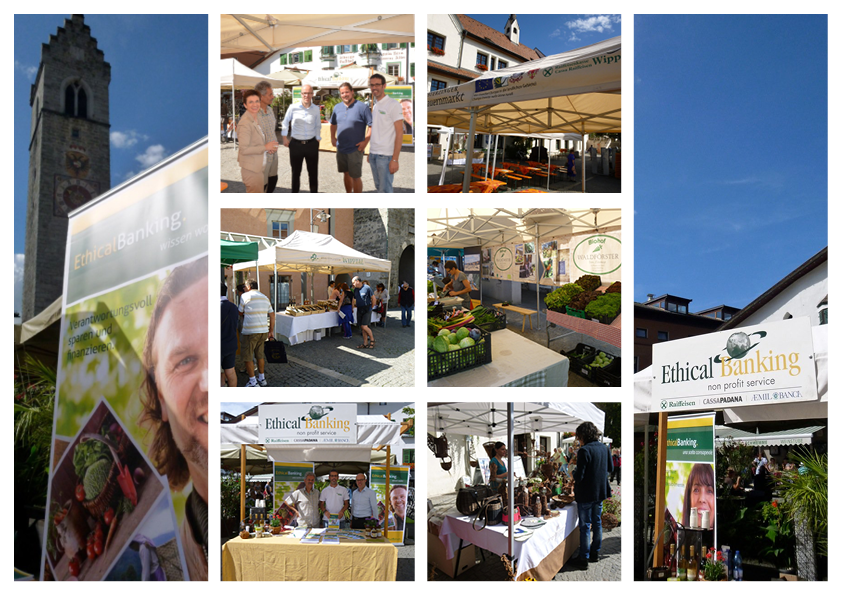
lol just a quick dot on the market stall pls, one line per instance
(746, 379)
(313, 253)
(576, 91)
(548, 548)
(286, 556)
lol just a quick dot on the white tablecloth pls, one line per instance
(528, 553)
(298, 329)
(515, 361)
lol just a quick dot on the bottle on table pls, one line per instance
(673, 562)
(682, 564)
(702, 560)
(692, 565)
(738, 566)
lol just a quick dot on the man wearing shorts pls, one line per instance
(350, 131)
(258, 324)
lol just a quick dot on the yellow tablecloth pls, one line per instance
(280, 558)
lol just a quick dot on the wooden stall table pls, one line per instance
(524, 312)
(285, 558)
(540, 557)
(516, 362)
(297, 328)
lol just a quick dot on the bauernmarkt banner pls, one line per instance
(129, 475)
(755, 365)
(398, 498)
(308, 423)
(690, 481)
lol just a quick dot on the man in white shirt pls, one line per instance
(302, 131)
(306, 502)
(334, 500)
(258, 325)
(363, 503)
(386, 135)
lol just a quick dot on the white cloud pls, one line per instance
(28, 71)
(129, 175)
(124, 140)
(555, 33)
(598, 23)
(18, 282)
(153, 155)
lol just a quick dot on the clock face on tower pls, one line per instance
(72, 193)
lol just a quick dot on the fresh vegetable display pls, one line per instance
(604, 307)
(600, 361)
(589, 282)
(483, 316)
(581, 301)
(468, 346)
(561, 296)
(614, 287)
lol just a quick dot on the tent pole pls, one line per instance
(645, 486)
(584, 151)
(660, 488)
(488, 162)
(276, 285)
(469, 153)
(538, 276)
(494, 165)
(549, 169)
(444, 165)
(242, 482)
(511, 485)
(388, 476)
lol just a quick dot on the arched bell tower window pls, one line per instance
(75, 100)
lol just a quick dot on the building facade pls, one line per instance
(69, 153)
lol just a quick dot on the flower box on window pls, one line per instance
(437, 51)
(482, 67)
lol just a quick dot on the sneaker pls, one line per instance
(262, 382)
(251, 384)
(593, 558)
(580, 563)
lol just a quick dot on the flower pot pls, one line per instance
(277, 530)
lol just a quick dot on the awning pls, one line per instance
(488, 420)
(234, 252)
(242, 77)
(792, 437)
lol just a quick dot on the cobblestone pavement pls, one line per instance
(593, 184)
(330, 180)
(335, 361)
(406, 562)
(491, 567)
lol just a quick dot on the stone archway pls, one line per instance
(406, 266)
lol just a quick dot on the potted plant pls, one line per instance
(713, 567)
(276, 524)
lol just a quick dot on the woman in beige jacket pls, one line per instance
(254, 147)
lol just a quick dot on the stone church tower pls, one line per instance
(69, 154)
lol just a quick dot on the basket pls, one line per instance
(610, 374)
(497, 325)
(440, 365)
(489, 448)
(579, 357)
(575, 312)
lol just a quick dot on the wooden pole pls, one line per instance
(386, 497)
(660, 488)
(242, 481)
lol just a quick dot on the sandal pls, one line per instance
(371, 345)
(363, 346)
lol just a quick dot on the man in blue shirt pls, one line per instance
(301, 132)
(363, 503)
(350, 131)
(362, 301)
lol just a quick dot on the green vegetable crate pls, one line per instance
(440, 365)
(580, 357)
(591, 369)
(497, 325)
(610, 374)
(575, 312)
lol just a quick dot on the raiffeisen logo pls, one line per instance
(739, 362)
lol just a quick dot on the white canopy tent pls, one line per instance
(501, 421)
(279, 32)
(313, 253)
(237, 76)
(792, 437)
(577, 91)
(331, 79)
(462, 228)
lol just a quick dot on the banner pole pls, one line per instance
(660, 487)
(242, 482)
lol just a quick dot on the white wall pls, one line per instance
(443, 26)
(439, 481)
(799, 299)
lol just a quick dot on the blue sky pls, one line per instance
(158, 92)
(730, 153)
(557, 33)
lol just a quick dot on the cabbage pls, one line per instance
(466, 342)
(440, 344)
(444, 332)
(430, 341)
(462, 333)
(453, 347)
(453, 338)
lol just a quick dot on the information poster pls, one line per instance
(288, 478)
(690, 479)
(398, 498)
(131, 410)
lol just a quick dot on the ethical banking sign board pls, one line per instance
(307, 423)
(757, 365)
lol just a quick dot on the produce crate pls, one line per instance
(591, 373)
(440, 365)
(579, 357)
(497, 325)
(575, 312)
(610, 374)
